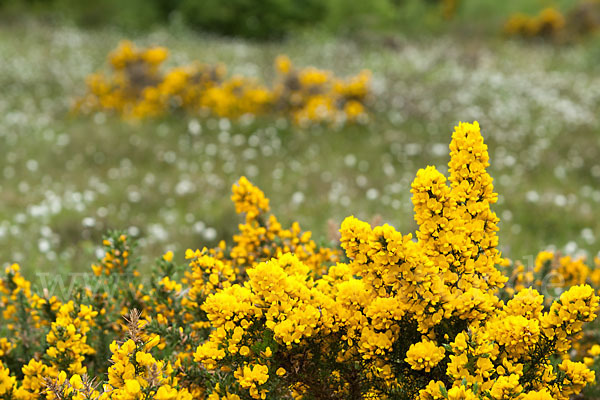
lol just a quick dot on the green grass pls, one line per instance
(67, 179)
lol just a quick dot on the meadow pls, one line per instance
(221, 238)
(67, 178)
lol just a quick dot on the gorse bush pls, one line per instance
(275, 316)
(312, 95)
(137, 88)
(548, 23)
(551, 272)
(582, 19)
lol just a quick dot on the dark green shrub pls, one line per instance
(261, 19)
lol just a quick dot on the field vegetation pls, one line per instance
(69, 178)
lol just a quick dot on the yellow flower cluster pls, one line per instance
(262, 237)
(580, 20)
(75, 388)
(249, 378)
(137, 89)
(136, 374)
(313, 95)
(67, 338)
(424, 355)
(249, 199)
(548, 23)
(7, 382)
(551, 273)
(116, 259)
(274, 316)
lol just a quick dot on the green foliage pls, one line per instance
(348, 16)
(247, 18)
(275, 19)
(256, 19)
(131, 14)
(251, 18)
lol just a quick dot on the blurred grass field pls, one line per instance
(66, 179)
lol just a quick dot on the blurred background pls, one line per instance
(91, 138)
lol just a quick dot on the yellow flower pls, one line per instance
(155, 55)
(283, 65)
(76, 382)
(538, 395)
(7, 382)
(424, 355)
(168, 256)
(133, 386)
